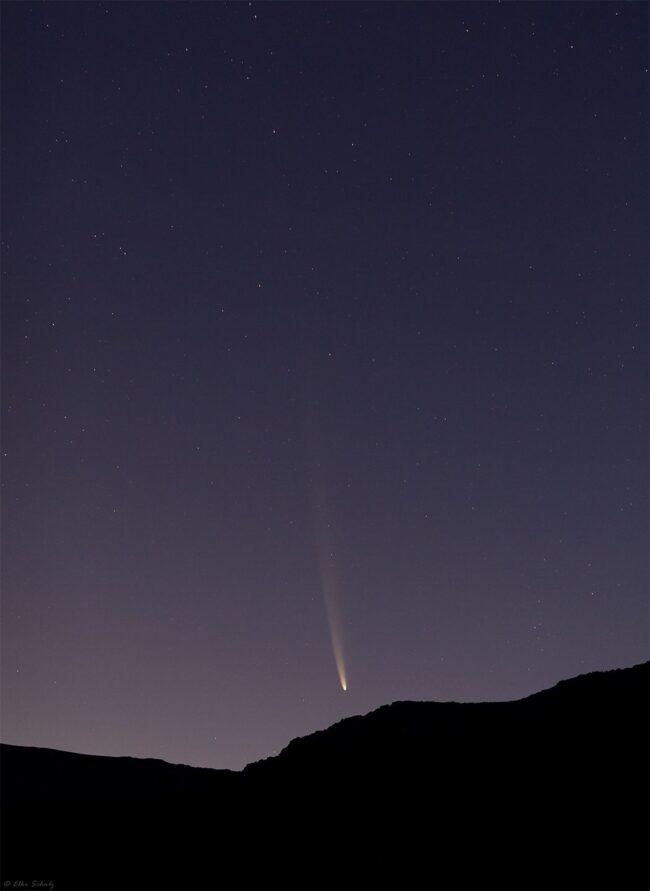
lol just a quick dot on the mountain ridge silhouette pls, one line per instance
(547, 791)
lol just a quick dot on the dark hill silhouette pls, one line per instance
(550, 791)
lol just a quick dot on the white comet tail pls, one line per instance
(330, 596)
(327, 565)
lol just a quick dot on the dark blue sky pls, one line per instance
(317, 309)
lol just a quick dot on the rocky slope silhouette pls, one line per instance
(546, 792)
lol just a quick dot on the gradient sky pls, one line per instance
(317, 314)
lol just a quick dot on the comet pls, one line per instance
(329, 578)
(317, 495)
(330, 589)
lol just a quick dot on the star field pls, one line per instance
(313, 314)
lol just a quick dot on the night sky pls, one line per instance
(325, 337)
